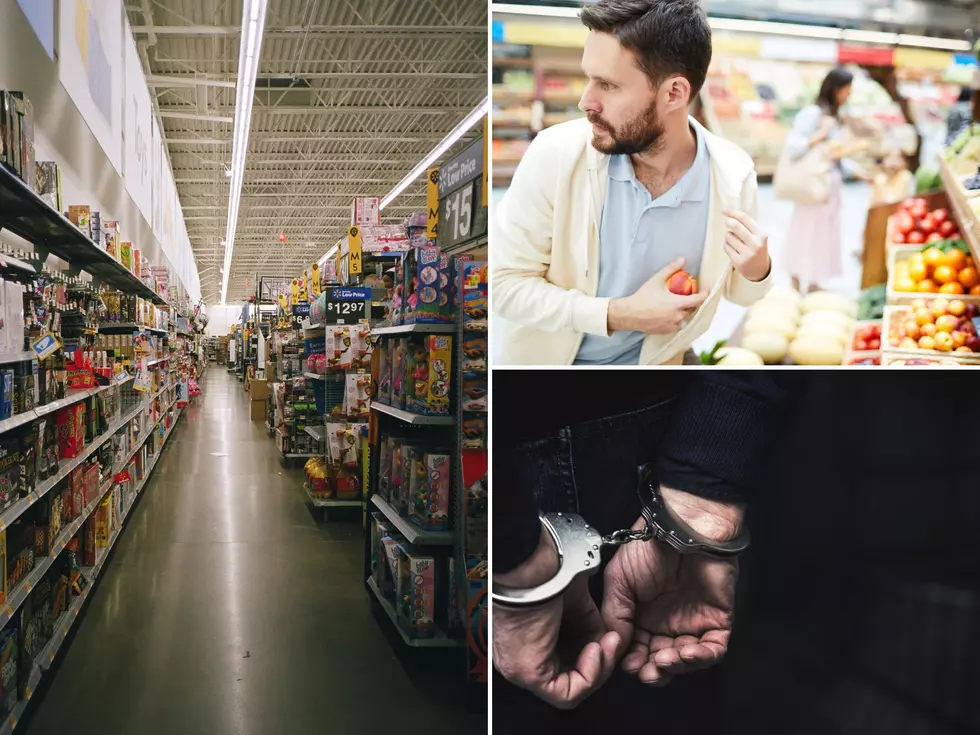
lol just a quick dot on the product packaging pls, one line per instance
(25, 111)
(356, 401)
(97, 230)
(422, 289)
(381, 370)
(398, 470)
(391, 552)
(48, 184)
(81, 216)
(474, 294)
(429, 505)
(429, 362)
(9, 469)
(110, 237)
(398, 376)
(474, 354)
(342, 442)
(71, 430)
(14, 309)
(475, 393)
(415, 591)
(474, 432)
(126, 254)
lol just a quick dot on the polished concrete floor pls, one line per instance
(228, 608)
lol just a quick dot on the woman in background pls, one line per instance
(814, 242)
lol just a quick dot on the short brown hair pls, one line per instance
(668, 36)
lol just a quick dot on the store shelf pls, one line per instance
(151, 363)
(16, 357)
(331, 502)
(182, 333)
(413, 418)
(968, 220)
(128, 327)
(24, 213)
(317, 432)
(439, 640)
(61, 627)
(293, 455)
(416, 329)
(412, 533)
(314, 376)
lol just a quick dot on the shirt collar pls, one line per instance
(693, 185)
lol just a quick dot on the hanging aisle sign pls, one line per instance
(432, 203)
(314, 281)
(354, 259)
(462, 215)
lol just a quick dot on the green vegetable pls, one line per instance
(927, 178)
(947, 245)
(711, 358)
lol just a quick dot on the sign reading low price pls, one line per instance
(346, 305)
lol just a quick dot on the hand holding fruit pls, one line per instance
(747, 246)
(654, 308)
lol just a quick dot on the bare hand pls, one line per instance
(653, 309)
(674, 611)
(747, 246)
(561, 651)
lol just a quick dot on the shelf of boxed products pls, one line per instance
(128, 327)
(157, 361)
(438, 640)
(35, 413)
(409, 530)
(965, 214)
(330, 502)
(413, 418)
(24, 213)
(415, 329)
(314, 376)
(61, 627)
(317, 432)
(17, 509)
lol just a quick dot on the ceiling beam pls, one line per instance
(300, 32)
(315, 137)
(172, 113)
(186, 80)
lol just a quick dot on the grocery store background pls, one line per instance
(770, 57)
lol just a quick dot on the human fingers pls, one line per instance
(691, 302)
(595, 664)
(581, 620)
(733, 242)
(734, 255)
(741, 225)
(654, 676)
(667, 654)
(670, 269)
(639, 652)
(618, 600)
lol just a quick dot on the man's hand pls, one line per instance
(653, 309)
(747, 246)
(674, 612)
(526, 645)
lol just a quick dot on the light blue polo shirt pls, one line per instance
(640, 235)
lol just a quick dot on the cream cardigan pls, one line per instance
(545, 250)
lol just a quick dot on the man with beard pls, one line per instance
(601, 212)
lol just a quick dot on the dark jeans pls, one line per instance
(591, 469)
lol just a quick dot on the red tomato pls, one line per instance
(946, 228)
(874, 344)
(934, 237)
(906, 205)
(920, 202)
(916, 238)
(905, 224)
(955, 235)
(940, 216)
(900, 238)
(918, 212)
(860, 345)
(926, 225)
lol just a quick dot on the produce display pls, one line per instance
(942, 268)
(963, 154)
(939, 325)
(811, 330)
(914, 224)
(865, 344)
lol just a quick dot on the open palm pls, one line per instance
(673, 612)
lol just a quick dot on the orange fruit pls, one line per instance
(916, 271)
(933, 256)
(969, 277)
(916, 258)
(905, 284)
(943, 274)
(975, 291)
(954, 289)
(926, 286)
(955, 259)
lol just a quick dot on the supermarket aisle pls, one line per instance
(227, 609)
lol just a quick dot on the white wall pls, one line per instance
(61, 135)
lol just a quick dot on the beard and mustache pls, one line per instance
(641, 134)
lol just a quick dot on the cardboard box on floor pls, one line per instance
(260, 389)
(258, 410)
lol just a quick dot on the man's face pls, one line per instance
(620, 99)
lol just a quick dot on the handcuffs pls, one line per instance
(579, 544)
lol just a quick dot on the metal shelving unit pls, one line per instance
(330, 502)
(112, 327)
(439, 640)
(410, 531)
(415, 329)
(413, 418)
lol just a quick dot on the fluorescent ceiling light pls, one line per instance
(455, 134)
(781, 29)
(253, 25)
(947, 44)
(548, 11)
(889, 39)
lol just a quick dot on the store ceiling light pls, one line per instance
(253, 25)
(946, 44)
(455, 134)
(889, 39)
(548, 11)
(781, 29)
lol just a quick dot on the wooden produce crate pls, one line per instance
(892, 325)
(898, 253)
(898, 359)
(850, 354)
(962, 210)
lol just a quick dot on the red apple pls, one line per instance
(972, 311)
(682, 283)
(973, 342)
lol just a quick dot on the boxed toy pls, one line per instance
(422, 290)
(381, 372)
(475, 393)
(126, 254)
(416, 590)
(81, 217)
(445, 288)
(475, 432)
(474, 354)
(13, 298)
(429, 501)
(477, 606)
(398, 472)
(391, 552)
(25, 111)
(8, 671)
(7, 396)
(110, 234)
(71, 430)
(9, 469)
(398, 376)
(48, 183)
(413, 484)
(407, 465)
(430, 363)
(3, 567)
(342, 442)
(28, 459)
(474, 294)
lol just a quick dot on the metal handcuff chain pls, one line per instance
(579, 545)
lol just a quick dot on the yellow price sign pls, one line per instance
(295, 286)
(315, 289)
(354, 256)
(432, 203)
(284, 302)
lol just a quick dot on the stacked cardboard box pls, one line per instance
(259, 395)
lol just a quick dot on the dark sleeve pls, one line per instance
(722, 432)
(516, 529)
